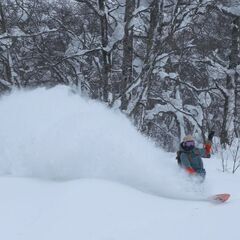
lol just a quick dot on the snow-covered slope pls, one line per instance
(99, 210)
(73, 169)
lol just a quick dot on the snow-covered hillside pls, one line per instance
(73, 169)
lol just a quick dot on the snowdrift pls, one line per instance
(56, 134)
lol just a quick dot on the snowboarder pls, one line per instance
(190, 157)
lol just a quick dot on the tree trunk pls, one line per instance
(235, 63)
(149, 59)
(227, 133)
(106, 55)
(7, 63)
(2, 20)
(127, 63)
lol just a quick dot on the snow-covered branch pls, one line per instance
(21, 35)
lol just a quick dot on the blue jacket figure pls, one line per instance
(190, 157)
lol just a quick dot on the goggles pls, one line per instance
(189, 144)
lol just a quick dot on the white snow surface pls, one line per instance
(73, 169)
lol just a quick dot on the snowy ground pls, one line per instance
(72, 169)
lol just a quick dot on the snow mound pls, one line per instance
(56, 134)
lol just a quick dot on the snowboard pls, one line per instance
(220, 198)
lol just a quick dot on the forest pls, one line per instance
(171, 66)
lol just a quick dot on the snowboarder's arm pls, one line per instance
(205, 152)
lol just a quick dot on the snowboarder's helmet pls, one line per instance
(188, 138)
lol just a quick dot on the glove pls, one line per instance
(210, 136)
(190, 170)
(208, 148)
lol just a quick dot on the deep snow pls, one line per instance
(55, 134)
(99, 210)
(72, 169)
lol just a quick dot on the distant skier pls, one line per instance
(190, 157)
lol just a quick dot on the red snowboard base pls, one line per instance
(220, 198)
